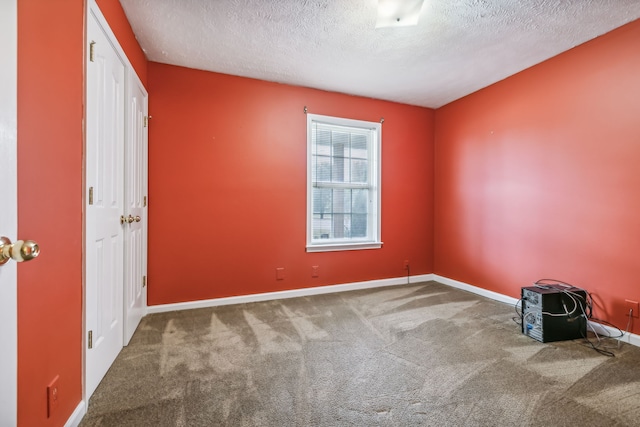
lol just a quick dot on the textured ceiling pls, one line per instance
(458, 46)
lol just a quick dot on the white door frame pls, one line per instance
(9, 209)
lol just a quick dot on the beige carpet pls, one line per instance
(412, 355)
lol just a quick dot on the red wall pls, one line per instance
(50, 99)
(227, 187)
(537, 177)
(50, 150)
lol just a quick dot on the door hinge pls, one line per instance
(90, 195)
(144, 281)
(90, 339)
(91, 45)
(145, 121)
(144, 202)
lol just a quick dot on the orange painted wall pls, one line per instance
(227, 191)
(537, 177)
(50, 149)
(50, 99)
(114, 14)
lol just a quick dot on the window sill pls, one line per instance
(343, 247)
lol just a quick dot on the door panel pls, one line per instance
(8, 210)
(104, 204)
(135, 297)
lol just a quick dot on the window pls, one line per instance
(343, 184)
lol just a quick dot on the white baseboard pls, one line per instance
(632, 339)
(476, 290)
(605, 330)
(78, 414)
(294, 293)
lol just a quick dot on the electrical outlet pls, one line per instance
(631, 306)
(280, 273)
(315, 271)
(405, 264)
(53, 396)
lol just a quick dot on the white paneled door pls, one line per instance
(8, 210)
(104, 201)
(135, 262)
(116, 200)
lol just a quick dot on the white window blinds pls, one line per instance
(343, 187)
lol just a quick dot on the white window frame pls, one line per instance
(373, 238)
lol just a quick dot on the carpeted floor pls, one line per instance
(412, 355)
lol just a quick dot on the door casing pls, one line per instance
(9, 208)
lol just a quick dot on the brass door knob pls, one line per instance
(129, 219)
(21, 250)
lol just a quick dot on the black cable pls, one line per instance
(590, 343)
(518, 319)
(599, 350)
(588, 300)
